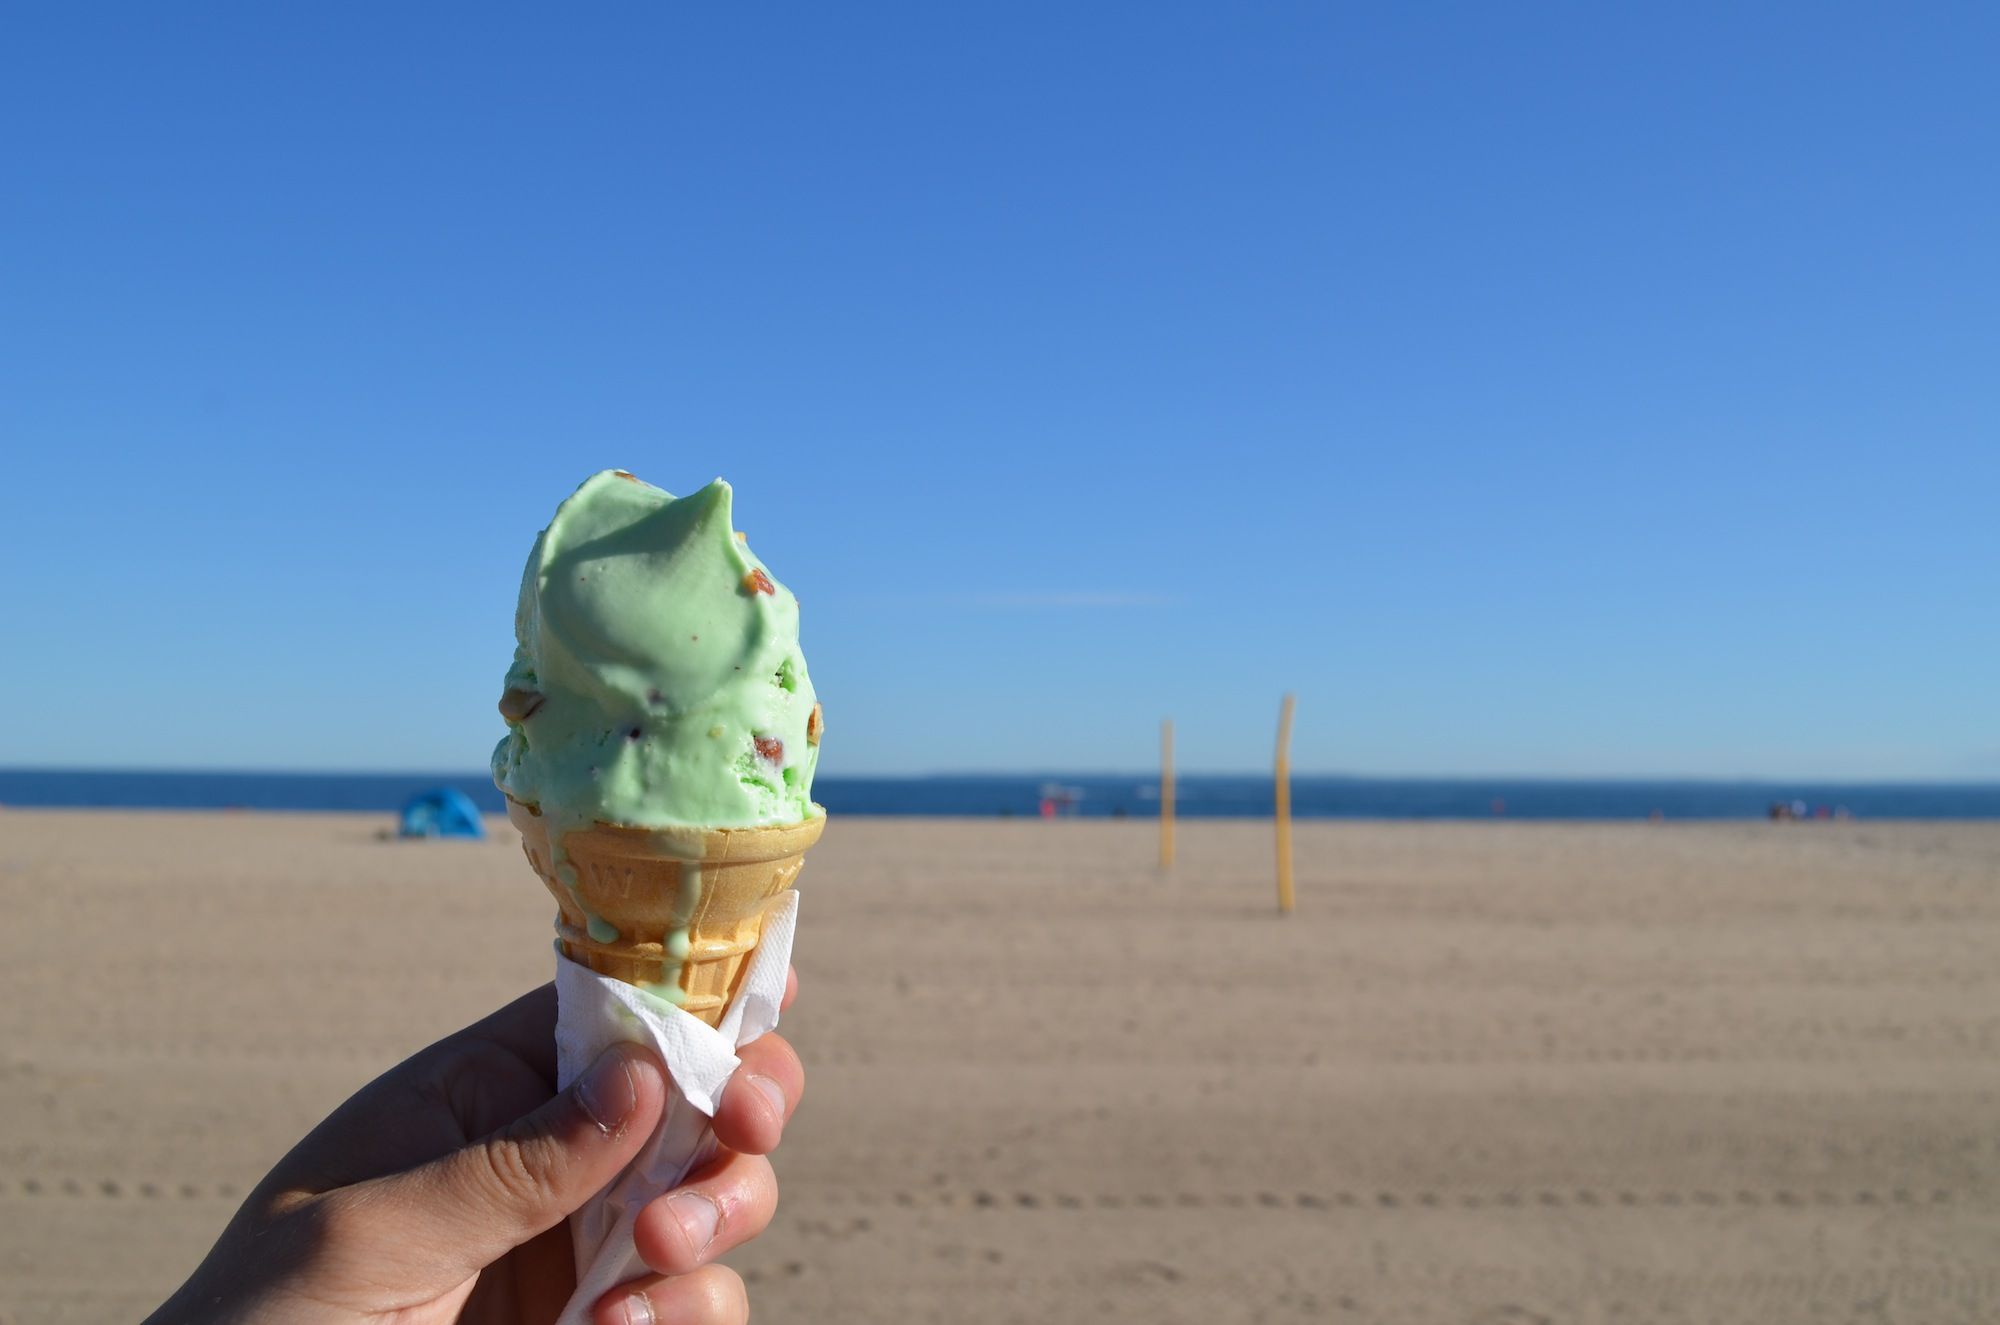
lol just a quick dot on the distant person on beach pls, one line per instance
(440, 1191)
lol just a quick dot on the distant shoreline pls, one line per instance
(1199, 796)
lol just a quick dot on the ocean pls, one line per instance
(1086, 795)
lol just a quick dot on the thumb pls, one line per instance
(471, 1207)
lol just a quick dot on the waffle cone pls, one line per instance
(716, 884)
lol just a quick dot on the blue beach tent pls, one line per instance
(442, 813)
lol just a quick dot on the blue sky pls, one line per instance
(1533, 389)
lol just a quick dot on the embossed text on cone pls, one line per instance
(688, 904)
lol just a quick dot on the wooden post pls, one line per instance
(1283, 774)
(1167, 794)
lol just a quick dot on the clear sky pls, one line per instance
(1533, 389)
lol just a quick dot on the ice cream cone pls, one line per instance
(677, 911)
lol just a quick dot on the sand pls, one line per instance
(1487, 1073)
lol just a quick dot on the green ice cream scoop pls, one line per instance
(657, 678)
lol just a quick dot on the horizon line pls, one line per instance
(1723, 779)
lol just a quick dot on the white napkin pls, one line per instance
(594, 1013)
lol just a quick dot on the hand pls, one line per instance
(438, 1192)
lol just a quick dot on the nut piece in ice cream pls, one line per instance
(518, 704)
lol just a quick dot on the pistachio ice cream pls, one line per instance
(657, 680)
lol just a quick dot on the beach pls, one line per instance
(1487, 1072)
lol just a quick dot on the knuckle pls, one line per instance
(521, 1166)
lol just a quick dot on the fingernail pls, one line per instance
(607, 1092)
(639, 1310)
(699, 1218)
(770, 1091)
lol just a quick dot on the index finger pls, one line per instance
(526, 1028)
